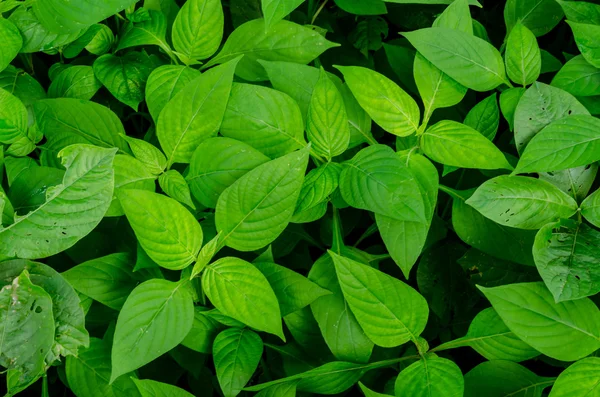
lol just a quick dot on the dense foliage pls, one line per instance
(289, 197)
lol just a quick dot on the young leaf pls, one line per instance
(167, 231)
(203, 333)
(528, 310)
(430, 376)
(164, 83)
(509, 99)
(148, 154)
(53, 227)
(156, 317)
(280, 390)
(485, 117)
(585, 38)
(456, 16)
(237, 352)
(513, 200)
(152, 388)
(318, 185)
(275, 10)
(578, 77)
(580, 378)
(456, 144)
(284, 41)
(269, 193)
(195, 113)
(152, 31)
(387, 104)
(175, 186)
(327, 123)
(130, 173)
(240, 290)
(75, 82)
(14, 118)
(198, 30)
(377, 300)
(523, 58)
(470, 61)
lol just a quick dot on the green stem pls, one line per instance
(318, 12)
(337, 239)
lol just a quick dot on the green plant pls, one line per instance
(241, 198)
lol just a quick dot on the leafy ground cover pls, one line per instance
(288, 197)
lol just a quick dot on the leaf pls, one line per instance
(574, 181)
(63, 15)
(164, 83)
(152, 31)
(456, 16)
(580, 378)
(485, 117)
(293, 290)
(261, 202)
(125, 77)
(327, 123)
(195, 113)
(504, 378)
(11, 42)
(51, 228)
(430, 376)
(152, 388)
(512, 200)
(102, 41)
(489, 271)
(156, 317)
(590, 208)
(318, 185)
(377, 180)
(204, 331)
(564, 143)
(285, 41)
(75, 82)
(108, 279)
(539, 16)
(365, 7)
(13, 118)
(165, 229)
(275, 10)
(21, 85)
(369, 34)
(265, 119)
(491, 338)
(148, 154)
(386, 103)
(175, 186)
(578, 77)
(377, 300)
(563, 254)
(240, 290)
(237, 353)
(26, 325)
(469, 60)
(88, 373)
(585, 35)
(509, 100)
(528, 310)
(130, 173)
(583, 12)
(459, 145)
(198, 30)
(280, 390)
(523, 58)
(370, 393)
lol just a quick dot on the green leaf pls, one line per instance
(102, 41)
(318, 185)
(504, 378)
(378, 301)
(195, 113)
(431, 376)
(581, 11)
(156, 317)
(13, 118)
(152, 31)
(275, 10)
(456, 16)
(513, 200)
(268, 120)
(386, 103)
(549, 62)
(578, 77)
(26, 325)
(125, 77)
(564, 143)
(280, 390)
(21, 85)
(370, 393)
(358, 120)
(88, 373)
(485, 117)
(52, 227)
(152, 388)
(491, 338)
(590, 208)
(164, 83)
(167, 231)
(11, 42)
(327, 124)
(377, 180)
(576, 182)
(130, 173)
(75, 82)
(198, 30)
(239, 290)
(175, 186)
(365, 7)
(216, 164)
(528, 310)
(293, 290)
(108, 279)
(469, 60)
(237, 353)
(489, 271)
(523, 58)
(203, 333)
(585, 38)
(148, 154)
(539, 16)
(261, 203)
(509, 99)
(284, 41)
(579, 379)
(459, 145)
